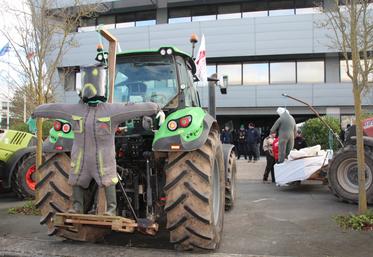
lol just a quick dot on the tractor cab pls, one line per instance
(164, 76)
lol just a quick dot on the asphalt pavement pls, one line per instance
(266, 221)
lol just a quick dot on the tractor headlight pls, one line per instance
(172, 125)
(169, 51)
(163, 52)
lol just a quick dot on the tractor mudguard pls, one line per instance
(367, 140)
(227, 149)
(61, 145)
(184, 138)
(12, 162)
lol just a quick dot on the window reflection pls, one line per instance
(255, 74)
(145, 23)
(310, 72)
(343, 71)
(179, 20)
(211, 69)
(254, 14)
(281, 12)
(204, 18)
(233, 71)
(229, 12)
(282, 72)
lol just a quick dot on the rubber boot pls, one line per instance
(93, 209)
(111, 201)
(77, 197)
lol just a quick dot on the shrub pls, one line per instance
(316, 133)
(356, 222)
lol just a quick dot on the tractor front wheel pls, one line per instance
(195, 187)
(24, 177)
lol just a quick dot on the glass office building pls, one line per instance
(265, 47)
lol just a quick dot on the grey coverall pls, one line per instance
(286, 127)
(93, 151)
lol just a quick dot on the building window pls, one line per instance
(282, 73)
(233, 71)
(204, 13)
(125, 20)
(69, 77)
(306, 6)
(257, 8)
(87, 25)
(108, 21)
(310, 72)
(211, 69)
(229, 12)
(281, 7)
(343, 71)
(255, 74)
(179, 15)
(147, 18)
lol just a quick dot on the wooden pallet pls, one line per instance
(115, 223)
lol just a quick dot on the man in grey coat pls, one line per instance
(286, 127)
(94, 123)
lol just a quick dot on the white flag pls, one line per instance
(201, 72)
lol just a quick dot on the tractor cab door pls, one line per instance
(186, 79)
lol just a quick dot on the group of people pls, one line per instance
(282, 138)
(247, 141)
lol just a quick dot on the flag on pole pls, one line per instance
(5, 49)
(201, 72)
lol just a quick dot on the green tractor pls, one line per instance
(176, 175)
(17, 162)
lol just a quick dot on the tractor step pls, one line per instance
(115, 223)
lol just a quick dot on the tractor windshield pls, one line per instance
(145, 78)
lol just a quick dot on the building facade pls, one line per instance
(266, 48)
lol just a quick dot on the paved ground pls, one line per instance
(267, 220)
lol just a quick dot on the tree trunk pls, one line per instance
(355, 56)
(360, 152)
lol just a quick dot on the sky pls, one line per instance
(6, 21)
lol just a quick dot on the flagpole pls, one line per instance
(7, 108)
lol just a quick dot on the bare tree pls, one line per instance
(41, 35)
(351, 22)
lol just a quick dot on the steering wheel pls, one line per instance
(162, 98)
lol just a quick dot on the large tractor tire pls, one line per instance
(195, 185)
(24, 177)
(53, 190)
(230, 183)
(343, 175)
(54, 196)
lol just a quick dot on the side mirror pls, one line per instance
(224, 85)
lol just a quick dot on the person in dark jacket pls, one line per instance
(226, 136)
(299, 141)
(241, 138)
(268, 151)
(252, 139)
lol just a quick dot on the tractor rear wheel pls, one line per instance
(53, 190)
(54, 196)
(343, 175)
(195, 185)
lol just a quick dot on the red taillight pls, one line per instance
(59, 148)
(66, 128)
(185, 121)
(57, 125)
